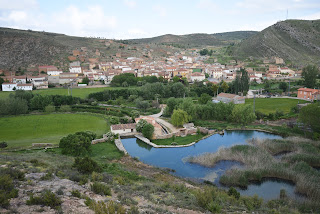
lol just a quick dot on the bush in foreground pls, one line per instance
(100, 188)
(47, 198)
(7, 190)
(86, 165)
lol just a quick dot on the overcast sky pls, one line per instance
(124, 19)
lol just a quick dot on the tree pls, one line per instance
(179, 117)
(309, 74)
(13, 106)
(204, 52)
(267, 86)
(204, 98)
(283, 86)
(245, 80)
(176, 79)
(224, 86)
(78, 144)
(85, 80)
(215, 88)
(142, 104)
(1, 80)
(148, 130)
(310, 116)
(140, 125)
(243, 114)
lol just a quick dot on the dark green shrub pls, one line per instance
(133, 210)
(3, 145)
(233, 192)
(47, 198)
(60, 191)
(7, 190)
(86, 165)
(78, 144)
(47, 176)
(13, 173)
(76, 193)
(205, 197)
(100, 188)
(148, 130)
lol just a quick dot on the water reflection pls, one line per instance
(142, 144)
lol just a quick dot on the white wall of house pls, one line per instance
(54, 73)
(123, 131)
(75, 69)
(197, 78)
(9, 87)
(24, 87)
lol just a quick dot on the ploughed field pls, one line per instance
(22, 131)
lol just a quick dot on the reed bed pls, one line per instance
(260, 163)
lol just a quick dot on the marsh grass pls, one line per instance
(260, 163)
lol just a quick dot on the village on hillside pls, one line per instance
(189, 65)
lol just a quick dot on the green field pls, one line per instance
(22, 131)
(179, 140)
(76, 92)
(271, 105)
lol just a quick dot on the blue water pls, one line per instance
(173, 158)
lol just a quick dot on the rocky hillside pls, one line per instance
(197, 39)
(20, 48)
(297, 41)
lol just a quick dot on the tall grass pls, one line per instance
(260, 163)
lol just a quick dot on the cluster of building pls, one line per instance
(189, 65)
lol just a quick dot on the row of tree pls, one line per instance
(188, 111)
(129, 79)
(21, 102)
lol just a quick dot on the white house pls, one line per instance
(16, 86)
(196, 76)
(227, 98)
(9, 86)
(75, 69)
(24, 87)
(54, 73)
(123, 128)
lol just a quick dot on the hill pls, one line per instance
(297, 41)
(197, 39)
(21, 48)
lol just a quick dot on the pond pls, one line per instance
(172, 158)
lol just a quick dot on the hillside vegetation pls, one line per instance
(297, 41)
(197, 39)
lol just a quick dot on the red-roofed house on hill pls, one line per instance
(309, 94)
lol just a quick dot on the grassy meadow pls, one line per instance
(22, 131)
(179, 140)
(271, 105)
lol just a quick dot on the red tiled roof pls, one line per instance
(124, 126)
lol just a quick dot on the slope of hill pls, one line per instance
(297, 41)
(21, 47)
(197, 39)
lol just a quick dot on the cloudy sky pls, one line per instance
(123, 19)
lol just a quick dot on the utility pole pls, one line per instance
(289, 88)
(254, 102)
